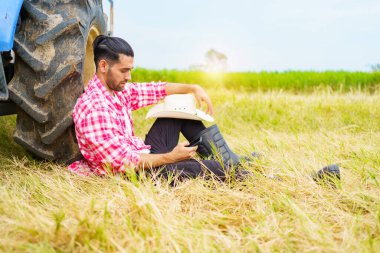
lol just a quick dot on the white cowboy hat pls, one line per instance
(180, 106)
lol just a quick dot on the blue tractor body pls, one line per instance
(9, 15)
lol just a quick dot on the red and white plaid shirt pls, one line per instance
(104, 127)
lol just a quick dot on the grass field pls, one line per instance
(293, 81)
(44, 208)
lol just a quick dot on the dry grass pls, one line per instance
(43, 208)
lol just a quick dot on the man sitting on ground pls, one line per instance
(104, 126)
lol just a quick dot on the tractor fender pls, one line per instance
(9, 13)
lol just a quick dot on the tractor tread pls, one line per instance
(35, 13)
(57, 130)
(57, 31)
(26, 142)
(45, 89)
(36, 64)
(24, 102)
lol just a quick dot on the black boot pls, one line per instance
(329, 175)
(209, 141)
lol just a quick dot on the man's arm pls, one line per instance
(143, 94)
(199, 93)
(179, 153)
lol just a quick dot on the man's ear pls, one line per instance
(103, 66)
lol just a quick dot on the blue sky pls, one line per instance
(254, 35)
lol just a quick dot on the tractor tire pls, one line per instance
(54, 59)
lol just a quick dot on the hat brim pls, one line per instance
(158, 111)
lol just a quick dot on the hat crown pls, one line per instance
(180, 102)
(180, 106)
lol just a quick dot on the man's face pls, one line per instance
(119, 73)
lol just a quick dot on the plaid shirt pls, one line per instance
(104, 127)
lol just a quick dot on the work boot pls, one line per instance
(210, 141)
(329, 175)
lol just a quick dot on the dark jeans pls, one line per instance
(164, 136)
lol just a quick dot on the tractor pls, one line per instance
(46, 61)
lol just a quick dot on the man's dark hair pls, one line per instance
(109, 48)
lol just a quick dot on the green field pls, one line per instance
(293, 81)
(298, 129)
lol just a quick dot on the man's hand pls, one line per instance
(179, 153)
(202, 96)
(182, 152)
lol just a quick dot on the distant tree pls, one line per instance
(215, 61)
(375, 67)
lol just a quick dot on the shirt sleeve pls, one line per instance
(144, 94)
(103, 134)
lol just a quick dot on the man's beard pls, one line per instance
(111, 83)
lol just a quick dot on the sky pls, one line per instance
(270, 35)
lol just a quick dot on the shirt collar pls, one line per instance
(100, 87)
